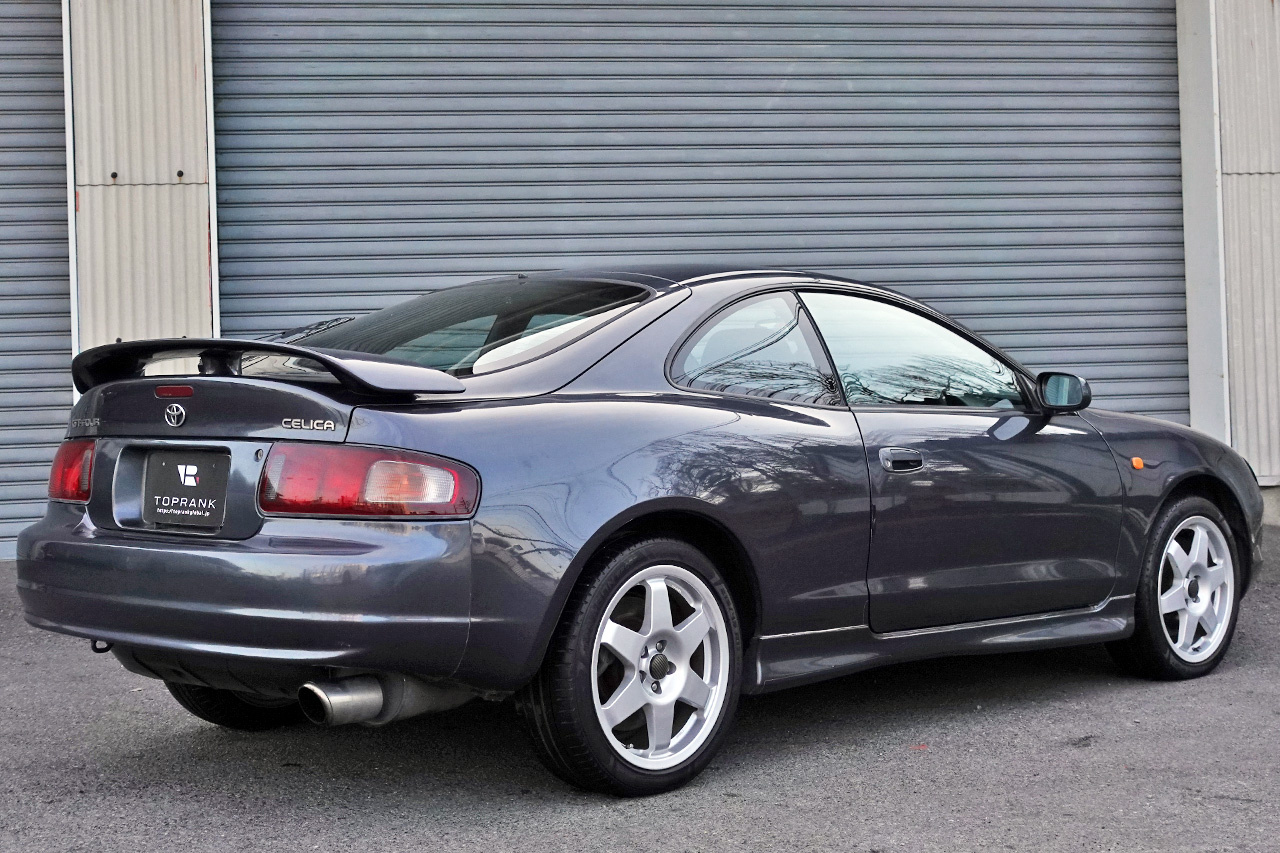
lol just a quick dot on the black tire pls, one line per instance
(558, 706)
(233, 710)
(1149, 653)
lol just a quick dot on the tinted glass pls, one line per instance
(482, 327)
(885, 355)
(761, 347)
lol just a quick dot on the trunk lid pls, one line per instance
(184, 454)
(217, 407)
(190, 465)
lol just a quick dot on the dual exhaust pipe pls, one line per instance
(375, 700)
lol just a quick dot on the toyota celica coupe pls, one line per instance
(624, 498)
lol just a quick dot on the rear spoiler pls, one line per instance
(357, 371)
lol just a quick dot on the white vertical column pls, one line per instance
(1202, 217)
(143, 232)
(1248, 36)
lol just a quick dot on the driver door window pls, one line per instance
(886, 355)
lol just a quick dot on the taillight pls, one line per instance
(72, 470)
(318, 479)
(167, 391)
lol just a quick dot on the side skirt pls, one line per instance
(788, 660)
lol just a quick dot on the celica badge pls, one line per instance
(304, 423)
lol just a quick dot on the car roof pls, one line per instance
(675, 275)
(688, 273)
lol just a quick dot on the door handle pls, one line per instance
(899, 459)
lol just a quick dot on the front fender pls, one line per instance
(1172, 456)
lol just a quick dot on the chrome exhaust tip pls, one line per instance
(357, 699)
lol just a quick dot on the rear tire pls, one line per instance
(232, 710)
(640, 682)
(1187, 601)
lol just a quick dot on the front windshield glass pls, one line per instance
(482, 327)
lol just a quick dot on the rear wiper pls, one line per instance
(290, 335)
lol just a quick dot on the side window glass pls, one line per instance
(884, 354)
(761, 347)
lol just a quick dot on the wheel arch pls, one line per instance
(712, 538)
(691, 521)
(1215, 490)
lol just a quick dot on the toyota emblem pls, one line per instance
(174, 415)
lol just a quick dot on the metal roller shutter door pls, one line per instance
(1015, 164)
(35, 321)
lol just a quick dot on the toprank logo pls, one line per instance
(188, 475)
(300, 423)
(174, 415)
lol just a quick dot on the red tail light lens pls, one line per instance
(318, 479)
(72, 470)
(166, 391)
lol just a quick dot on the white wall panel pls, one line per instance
(1252, 207)
(138, 91)
(141, 152)
(144, 263)
(1249, 87)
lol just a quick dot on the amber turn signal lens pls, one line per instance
(1137, 463)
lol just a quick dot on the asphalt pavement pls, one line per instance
(1043, 751)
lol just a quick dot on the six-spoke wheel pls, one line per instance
(661, 664)
(641, 680)
(1197, 589)
(1185, 607)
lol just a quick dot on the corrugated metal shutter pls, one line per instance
(1016, 164)
(35, 321)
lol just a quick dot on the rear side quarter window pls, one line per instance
(763, 346)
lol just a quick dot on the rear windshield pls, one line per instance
(483, 327)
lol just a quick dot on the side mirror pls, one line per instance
(1063, 392)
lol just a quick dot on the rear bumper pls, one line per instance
(302, 593)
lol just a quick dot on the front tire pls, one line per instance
(1187, 600)
(232, 710)
(641, 680)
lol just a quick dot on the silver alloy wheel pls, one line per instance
(661, 663)
(1196, 589)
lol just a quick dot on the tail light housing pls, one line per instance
(70, 478)
(349, 480)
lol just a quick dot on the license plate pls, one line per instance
(187, 488)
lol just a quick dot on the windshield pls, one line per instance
(482, 327)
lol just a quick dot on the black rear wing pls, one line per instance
(359, 372)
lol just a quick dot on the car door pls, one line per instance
(785, 468)
(982, 508)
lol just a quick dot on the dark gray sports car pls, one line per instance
(624, 497)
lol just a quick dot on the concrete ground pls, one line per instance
(1036, 752)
